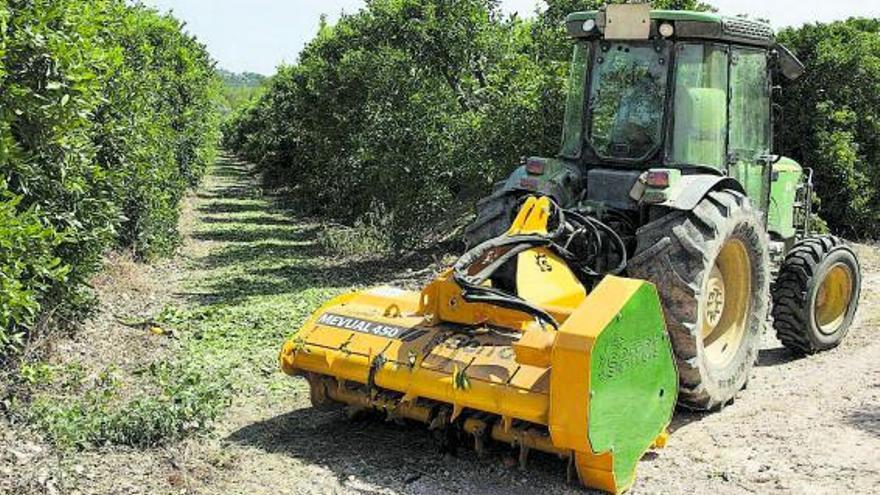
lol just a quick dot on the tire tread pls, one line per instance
(677, 270)
(791, 310)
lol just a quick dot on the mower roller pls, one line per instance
(667, 175)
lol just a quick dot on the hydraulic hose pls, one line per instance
(577, 239)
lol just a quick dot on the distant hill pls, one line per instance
(241, 79)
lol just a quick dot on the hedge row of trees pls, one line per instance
(407, 109)
(107, 115)
(831, 120)
(411, 109)
(401, 110)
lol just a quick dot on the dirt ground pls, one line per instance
(803, 426)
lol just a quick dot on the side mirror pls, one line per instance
(789, 65)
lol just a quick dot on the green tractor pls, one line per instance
(668, 141)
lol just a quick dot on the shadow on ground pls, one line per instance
(279, 247)
(776, 356)
(392, 455)
(866, 419)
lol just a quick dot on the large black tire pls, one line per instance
(679, 253)
(803, 316)
(495, 214)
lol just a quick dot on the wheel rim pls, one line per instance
(833, 298)
(726, 304)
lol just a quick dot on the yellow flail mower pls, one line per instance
(578, 370)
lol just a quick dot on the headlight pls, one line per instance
(589, 25)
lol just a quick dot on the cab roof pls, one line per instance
(689, 24)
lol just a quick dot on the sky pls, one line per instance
(258, 35)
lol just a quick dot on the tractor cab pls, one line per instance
(684, 91)
(671, 88)
(664, 106)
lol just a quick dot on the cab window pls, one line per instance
(700, 116)
(749, 138)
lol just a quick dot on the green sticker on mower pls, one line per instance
(633, 383)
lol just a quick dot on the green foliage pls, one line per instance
(418, 92)
(173, 401)
(28, 266)
(263, 277)
(159, 125)
(413, 108)
(832, 119)
(107, 115)
(444, 97)
(241, 80)
(239, 89)
(369, 236)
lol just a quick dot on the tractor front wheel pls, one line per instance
(816, 294)
(711, 269)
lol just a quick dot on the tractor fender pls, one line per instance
(558, 179)
(689, 190)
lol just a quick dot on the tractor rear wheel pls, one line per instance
(495, 214)
(711, 269)
(816, 294)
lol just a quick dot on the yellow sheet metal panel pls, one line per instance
(532, 217)
(544, 279)
(597, 470)
(344, 345)
(481, 395)
(493, 360)
(388, 301)
(532, 379)
(535, 347)
(442, 300)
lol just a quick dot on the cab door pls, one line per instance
(748, 142)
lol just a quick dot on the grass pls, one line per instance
(252, 275)
(261, 273)
(369, 237)
(171, 402)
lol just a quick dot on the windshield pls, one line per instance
(626, 99)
